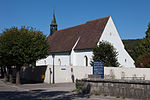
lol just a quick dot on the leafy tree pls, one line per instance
(3, 59)
(148, 31)
(24, 47)
(105, 52)
(131, 45)
(143, 50)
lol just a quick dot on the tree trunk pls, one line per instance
(2, 72)
(5, 74)
(18, 75)
(10, 74)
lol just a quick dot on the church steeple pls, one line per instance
(53, 25)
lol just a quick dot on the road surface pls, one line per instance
(43, 91)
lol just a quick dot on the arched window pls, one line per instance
(59, 62)
(85, 60)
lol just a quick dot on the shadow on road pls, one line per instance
(39, 95)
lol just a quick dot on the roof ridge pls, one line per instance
(82, 24)
(70, 27)
(98, 19)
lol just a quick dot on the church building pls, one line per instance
(73, 46)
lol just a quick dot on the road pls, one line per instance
(43, 91)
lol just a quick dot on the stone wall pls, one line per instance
(136, 89)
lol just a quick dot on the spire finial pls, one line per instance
(53, 25)
(54, 19)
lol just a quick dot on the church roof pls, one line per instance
(88, 35)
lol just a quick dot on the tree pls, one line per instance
(143, 51)
(131, 45)
(148, 31)
(105, 52)
(24, 47)
(3, 59)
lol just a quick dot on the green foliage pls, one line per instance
(131, 45)
(105, 52)
(142, 51)
(22, 46)
(78, 85)
(148, 31)
(139, 49)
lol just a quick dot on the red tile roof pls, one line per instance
(89, 33)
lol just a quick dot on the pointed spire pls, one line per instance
(53, 25)
(54, 19)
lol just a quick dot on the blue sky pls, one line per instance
(131, 17)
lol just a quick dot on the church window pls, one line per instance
(110, 33)
(125, 60)
(85, 60)
(59, 62)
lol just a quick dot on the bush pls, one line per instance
(107, 53)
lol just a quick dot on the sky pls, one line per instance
(131, 17)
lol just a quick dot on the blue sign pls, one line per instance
(63, 68)
(98, 69)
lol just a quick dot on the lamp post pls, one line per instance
(53, 68)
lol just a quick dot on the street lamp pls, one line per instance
(53, 68)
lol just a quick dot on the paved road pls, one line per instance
(45, 91)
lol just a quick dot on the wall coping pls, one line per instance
(143, 82)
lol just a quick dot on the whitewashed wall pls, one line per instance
(62, 76)
(111, 35)
(64, 59)
(79, 59)
(128, 72)
(80, 72)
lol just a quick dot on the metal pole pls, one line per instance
(53, 69)
(50, 75)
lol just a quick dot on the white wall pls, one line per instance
(111, 35)
(128, 72)
(72, 55)
(62, 76)
(79, 59)
(64, 58)
(80, 72)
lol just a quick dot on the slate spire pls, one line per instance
(54, 19)
(53, 25)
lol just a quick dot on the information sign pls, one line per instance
(98, 69)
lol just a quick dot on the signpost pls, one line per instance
(98, 69)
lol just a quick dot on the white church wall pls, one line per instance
(111, 35)
(41, 62)
(72, 54)
(67, 73)
(80, 57)
(59, 59)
